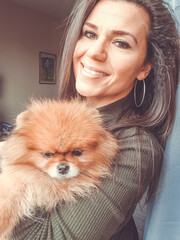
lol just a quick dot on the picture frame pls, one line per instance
(47, 68)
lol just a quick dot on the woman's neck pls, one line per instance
(98, 102)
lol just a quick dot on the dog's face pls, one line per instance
(69, 163)
(64, 140)
(67, 155)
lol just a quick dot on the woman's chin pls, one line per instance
(85, 91)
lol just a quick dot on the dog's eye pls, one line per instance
(48, 155)
(76, 153)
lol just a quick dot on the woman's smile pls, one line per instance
(92, 72)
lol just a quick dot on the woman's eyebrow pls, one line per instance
(113, 32)
(91, 25)
(122, 33)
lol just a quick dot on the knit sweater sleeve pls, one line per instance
(99, 216)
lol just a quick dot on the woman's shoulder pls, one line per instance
(140, 145)
(138, 135)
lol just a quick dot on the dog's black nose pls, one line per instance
(63, 168)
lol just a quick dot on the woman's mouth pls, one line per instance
(92, 72)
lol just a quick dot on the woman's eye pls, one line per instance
(122, 44)
(76, 153)
(48, 155)
(89, 34)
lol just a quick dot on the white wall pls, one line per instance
(24, 33)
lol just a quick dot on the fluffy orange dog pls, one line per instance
(58, 151)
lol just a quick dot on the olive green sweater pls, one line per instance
(106, 212)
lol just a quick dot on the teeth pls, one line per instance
(93, 72)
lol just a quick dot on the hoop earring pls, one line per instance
(143, 96)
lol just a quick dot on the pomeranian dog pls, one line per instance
(58, 151)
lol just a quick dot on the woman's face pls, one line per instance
(111, 51)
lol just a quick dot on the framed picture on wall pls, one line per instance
(47, 68)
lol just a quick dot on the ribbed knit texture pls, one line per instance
(101, 215)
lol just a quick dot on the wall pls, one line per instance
(24, 32)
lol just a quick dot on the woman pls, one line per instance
(123, 58)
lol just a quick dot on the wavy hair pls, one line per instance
(157, 113)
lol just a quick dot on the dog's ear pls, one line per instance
(21, 118)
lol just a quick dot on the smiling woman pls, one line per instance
(111, 52)
(111, 47)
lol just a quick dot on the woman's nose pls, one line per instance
(97, 50)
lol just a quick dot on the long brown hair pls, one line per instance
(157, 113)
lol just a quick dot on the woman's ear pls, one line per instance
(144, 72)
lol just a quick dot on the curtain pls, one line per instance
(163, 215)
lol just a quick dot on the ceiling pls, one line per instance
(55, 8)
